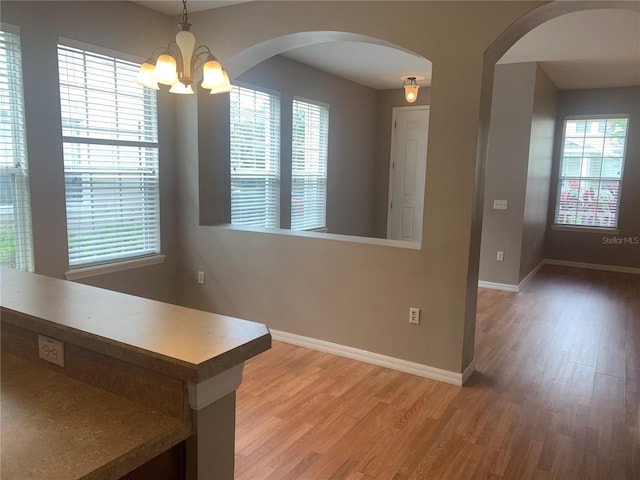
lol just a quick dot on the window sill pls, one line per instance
(95, 270)
(582, 229)
(324, 236)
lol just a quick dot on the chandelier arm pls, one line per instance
(205, 49)
(157, 52)
(197, 60)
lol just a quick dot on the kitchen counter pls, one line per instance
(56, 427)
(139, 378)
(180, 342)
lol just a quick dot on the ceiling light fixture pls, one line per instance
(175, 64)
(410, 89)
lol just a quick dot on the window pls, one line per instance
(16, 242)
(110, 135)
(255, 158)
(591, 167)
(309, 166)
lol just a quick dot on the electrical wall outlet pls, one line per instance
(500, 256)
(51, 350)
(414, 315)
(200, 277)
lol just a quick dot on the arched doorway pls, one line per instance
(507, 39)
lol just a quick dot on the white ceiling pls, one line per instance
(589, 49)
(174, 7)
(376, 66)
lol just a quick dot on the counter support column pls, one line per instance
(211, 449)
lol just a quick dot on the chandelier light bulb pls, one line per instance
(212, 74)
(224, 87)
(145, 76)
(181, 89)
(166, 71)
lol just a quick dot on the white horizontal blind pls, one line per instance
(255, 158)
(591, 169)
(16, 240)
(110, 133)
(310, 138)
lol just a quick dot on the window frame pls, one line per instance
(18, 171)
(146, 146)
(273, 177)
(325, 112)
(590, 228)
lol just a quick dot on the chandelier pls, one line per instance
(175, 64)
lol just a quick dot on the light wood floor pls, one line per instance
(555, 395)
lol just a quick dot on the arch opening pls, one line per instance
(360, 79)
(542, 17)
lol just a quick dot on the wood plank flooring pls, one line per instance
(555, 395)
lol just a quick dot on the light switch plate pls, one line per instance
(500, 204)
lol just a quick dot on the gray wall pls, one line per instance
(518, 170)
(590, 247)
(119, 26)
(536, 204)
(506, 175)
(354, 294)
(387, 99)
(350, 293)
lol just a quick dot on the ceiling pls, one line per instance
(376, 66)
(174, 7)
(589, 49)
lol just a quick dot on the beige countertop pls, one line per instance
(55, 427)
(180, 342)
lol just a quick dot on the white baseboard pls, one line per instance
(405, 366)
(562, 263)
(419, 369)
(594, 266)
(507, 287)
(468, 371)
(498, 286)
(526, 279)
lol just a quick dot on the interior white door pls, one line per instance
(407, 172)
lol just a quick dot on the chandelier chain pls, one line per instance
(185, 15)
